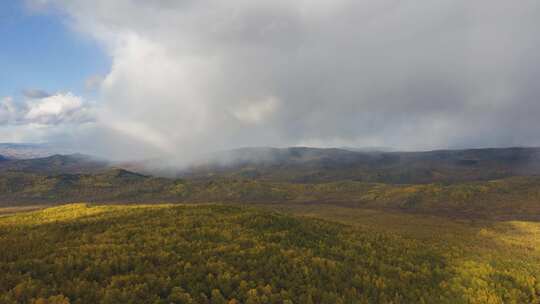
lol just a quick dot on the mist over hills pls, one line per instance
(478, 182)
(309, 165)
(302, 164)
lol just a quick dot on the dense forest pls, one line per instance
(226, 254)
(508, 198)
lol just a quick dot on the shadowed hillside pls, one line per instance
(303, 165)
(55, 164)
(509, 198)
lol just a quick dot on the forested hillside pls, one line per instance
(225, 254)
(313, 165)
(509, 198)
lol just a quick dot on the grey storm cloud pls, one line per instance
(189, 75)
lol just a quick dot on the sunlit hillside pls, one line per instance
(227, 254)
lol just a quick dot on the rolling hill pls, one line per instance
(508, 198)
(226, 254)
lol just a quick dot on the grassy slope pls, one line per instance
(163, 254)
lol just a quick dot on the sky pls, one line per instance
(39, 51)
(140, 79)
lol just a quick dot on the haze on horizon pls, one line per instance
(192, 76)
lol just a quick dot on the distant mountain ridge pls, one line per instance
(55, 164)
(312, 165)
(304, 154)
(501, 183)
(29, 150)
(302, 164)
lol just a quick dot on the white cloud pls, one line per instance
(190, 76)
(56, 109)
(60, 108)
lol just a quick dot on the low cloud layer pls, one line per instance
(190, 76)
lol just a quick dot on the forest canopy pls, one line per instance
(227, 254)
